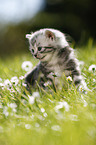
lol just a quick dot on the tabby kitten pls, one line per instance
(56, 57)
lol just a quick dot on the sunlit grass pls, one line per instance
(46, 117)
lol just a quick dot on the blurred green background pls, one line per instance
(18, 17)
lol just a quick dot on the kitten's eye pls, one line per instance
(32, 50)
(39, 48)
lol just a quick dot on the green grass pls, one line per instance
(46, 121)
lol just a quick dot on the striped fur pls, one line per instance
(56, 57)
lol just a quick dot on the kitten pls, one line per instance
(56, 57)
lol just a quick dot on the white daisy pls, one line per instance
(24, 84)
(31, 99)
(61, 105)
(27, 65)
(37, 125)
(45, 115)
(27, 126)
(7, 83)
(69, 78)
(21, 77)
(42, 110)
(12, 105)
(2, 85)
(94, 80)
(92, 68)
(36, 94)
(14, 80)
(56, 128)
(5, 111)
(73, 117)
(83, 87)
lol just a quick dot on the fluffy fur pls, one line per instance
(56, 57)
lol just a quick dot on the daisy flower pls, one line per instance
(92, 68)
(69, 79)
(7, 84)
(36, 94)
(27, 65)
(31, 99)
(61, 105)
(2, 85)
(56, 128)
(14, 80)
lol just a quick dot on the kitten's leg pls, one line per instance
(73, 68)
(31, 77)
(77, 78)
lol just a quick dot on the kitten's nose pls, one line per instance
(35, 55)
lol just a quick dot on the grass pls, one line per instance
(66, 117)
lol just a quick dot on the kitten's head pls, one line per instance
(45, 41)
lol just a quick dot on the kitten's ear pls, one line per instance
(28, 36)
(49, 34)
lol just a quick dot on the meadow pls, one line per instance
(65, 117)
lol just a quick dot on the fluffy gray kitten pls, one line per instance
(56, 58)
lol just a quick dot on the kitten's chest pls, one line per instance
(55, 73)
(55, 66)
(54, 69)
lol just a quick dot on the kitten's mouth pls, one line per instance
(38, 57)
